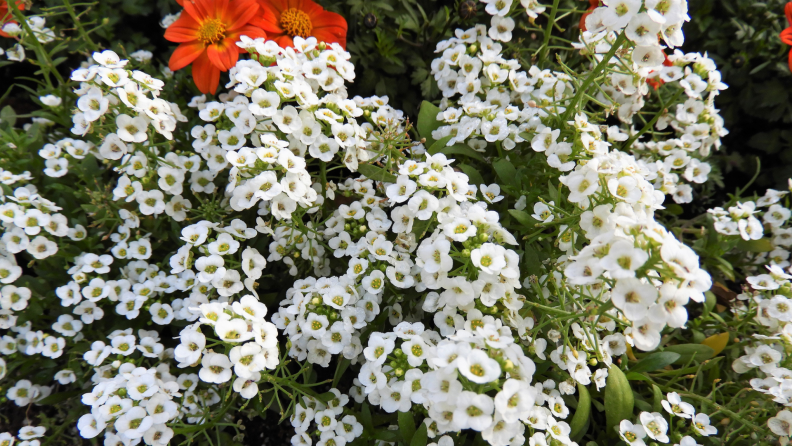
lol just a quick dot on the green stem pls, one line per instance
(79, 26)
(593, 75)
(549, 30)
(651, 123)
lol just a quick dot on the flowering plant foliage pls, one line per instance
(486, 273)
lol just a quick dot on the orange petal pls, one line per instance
(195, 11)
(790, 61)
(276, 6)
(185, 54)
(254, 32)
(788, 12)
(240, 12)
(205, 75)
(214, 8)
(185, 29)
(329, 19)
(222, 54)
(786, 36)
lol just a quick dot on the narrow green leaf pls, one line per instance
(619, 400)
(376, 173)
(56, 398)
(506, 172)
(472, 173)
(439, 145)
(420, 436)
(365, 417)
(406, 426)
(655, 361)
(523, 217)
(420, 227)
(657, 406)
(460, 149)
(582, 412)
(340, 369)
(697, 352)
(761, 245)
(427, 120)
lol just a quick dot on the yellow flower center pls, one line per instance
(296, 22)
(212, 31)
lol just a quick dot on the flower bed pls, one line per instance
(237, 240)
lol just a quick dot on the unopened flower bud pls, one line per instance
(468, 9)
(370, 20)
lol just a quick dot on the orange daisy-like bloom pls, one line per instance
(285, 19)
(786, 35)
(6, 15)
(208, 31)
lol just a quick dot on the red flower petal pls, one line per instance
(788, 12)
(205, 74)
(239, 13)
(185, 29)
(790, 60)
(254, 32)
(185, 54)
(786, 36)
(223, 54)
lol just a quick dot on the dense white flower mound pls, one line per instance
(399, 266)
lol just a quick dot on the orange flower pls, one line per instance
(284, 19)
(6, 15)
(786, 35)
(208, 31)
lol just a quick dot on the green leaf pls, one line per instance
(343, 363)
(655, 361)
(697, 352)
(420, 227)
(619, 400)
(658, 397)
(420, 436)
(386, 435)
(472, 173)
(458, 149)
(640, 404)
(7, 115)
(523, 217)
(376, 173)
(580, 419)
(761, 245)
(633, 376)
(427, 120)
(674, 209)
(533, 265)
(56, 398)
(506, 172)
(438, 145)
(406, 426)
(365, 417)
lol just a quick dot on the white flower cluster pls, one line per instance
(30, 223)
(293, 104)
(326, 417)
(655, 426)
(323, 316)
(27, 435)
(414, 365)
(38, 28)
(491, 90)
(241, 324)
(130, 403)
(741, 220)
(498, 102)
